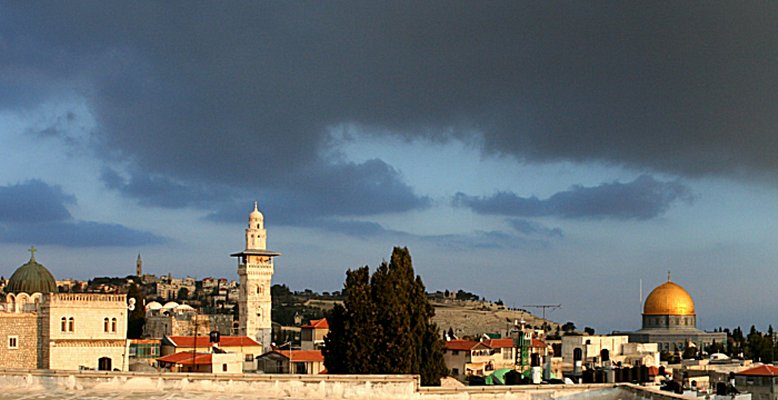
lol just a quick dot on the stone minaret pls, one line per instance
(139, 267)
(255, 270)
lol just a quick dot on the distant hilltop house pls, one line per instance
(65, 331)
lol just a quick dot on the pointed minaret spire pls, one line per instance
(255, 206)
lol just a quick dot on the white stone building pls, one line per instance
(72, 331)
(255, 270)
(617, 347)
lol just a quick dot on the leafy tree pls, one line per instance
(568, 327)
(384, 325)
(183, 294)
(589, 331)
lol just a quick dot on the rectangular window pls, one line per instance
(13, 342)
(455, 371)
(249, 357)
(224, 367)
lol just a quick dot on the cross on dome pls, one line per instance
(32, 251)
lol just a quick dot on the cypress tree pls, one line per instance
(350, 343)
(384, 325)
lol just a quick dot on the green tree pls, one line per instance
(349, 344)
(384, 325)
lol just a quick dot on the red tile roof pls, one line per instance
(762, 370)
(317, 324)
(500, 343)
(460, 344)
(187, 358)
(302, 355)
(538, 344)
(204, 341)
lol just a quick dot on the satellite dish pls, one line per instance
(131, 307)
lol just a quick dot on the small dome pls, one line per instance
(184, 307)
(669, 298)
(170, 305)
(31, 278)
(256, 215)
(153, 306)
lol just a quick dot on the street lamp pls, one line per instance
(290, 353)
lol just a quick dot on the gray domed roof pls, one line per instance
(31, 278)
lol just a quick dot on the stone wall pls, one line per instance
(21, 328)
(135, 385)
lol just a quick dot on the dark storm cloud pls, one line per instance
(35, 212)
(242, 95)
(532, 228)
(643, 198)
(79, 234)
(160, 191)
(33, 201)
(342, 189)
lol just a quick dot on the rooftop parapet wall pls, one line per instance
(85, 298)
(132, 385)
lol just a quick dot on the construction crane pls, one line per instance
(543, 307)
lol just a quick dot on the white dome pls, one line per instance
(170, 305)
(184, 307)
(153, 306)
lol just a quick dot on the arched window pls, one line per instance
(71, 324)
(103, 364)
(113, 325)
(64, 324)
(105, 325)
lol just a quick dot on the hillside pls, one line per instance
(474, 318)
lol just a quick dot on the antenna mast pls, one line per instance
(543, 307)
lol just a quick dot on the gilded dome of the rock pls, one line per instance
(31, 277)
(669, 299)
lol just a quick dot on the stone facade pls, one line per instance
(19, 335)
(83, 331)
(189, 324)
(255, 270)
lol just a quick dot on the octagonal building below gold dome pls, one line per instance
(669, 298)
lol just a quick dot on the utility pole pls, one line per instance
(543, 307)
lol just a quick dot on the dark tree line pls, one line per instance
(384, 325)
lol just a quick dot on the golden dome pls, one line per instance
(668, 299)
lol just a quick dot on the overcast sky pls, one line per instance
(535, 152)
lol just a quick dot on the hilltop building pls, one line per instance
(46, 329)
(255, 270)
(670, 320)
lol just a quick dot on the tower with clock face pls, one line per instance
(255, 270)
